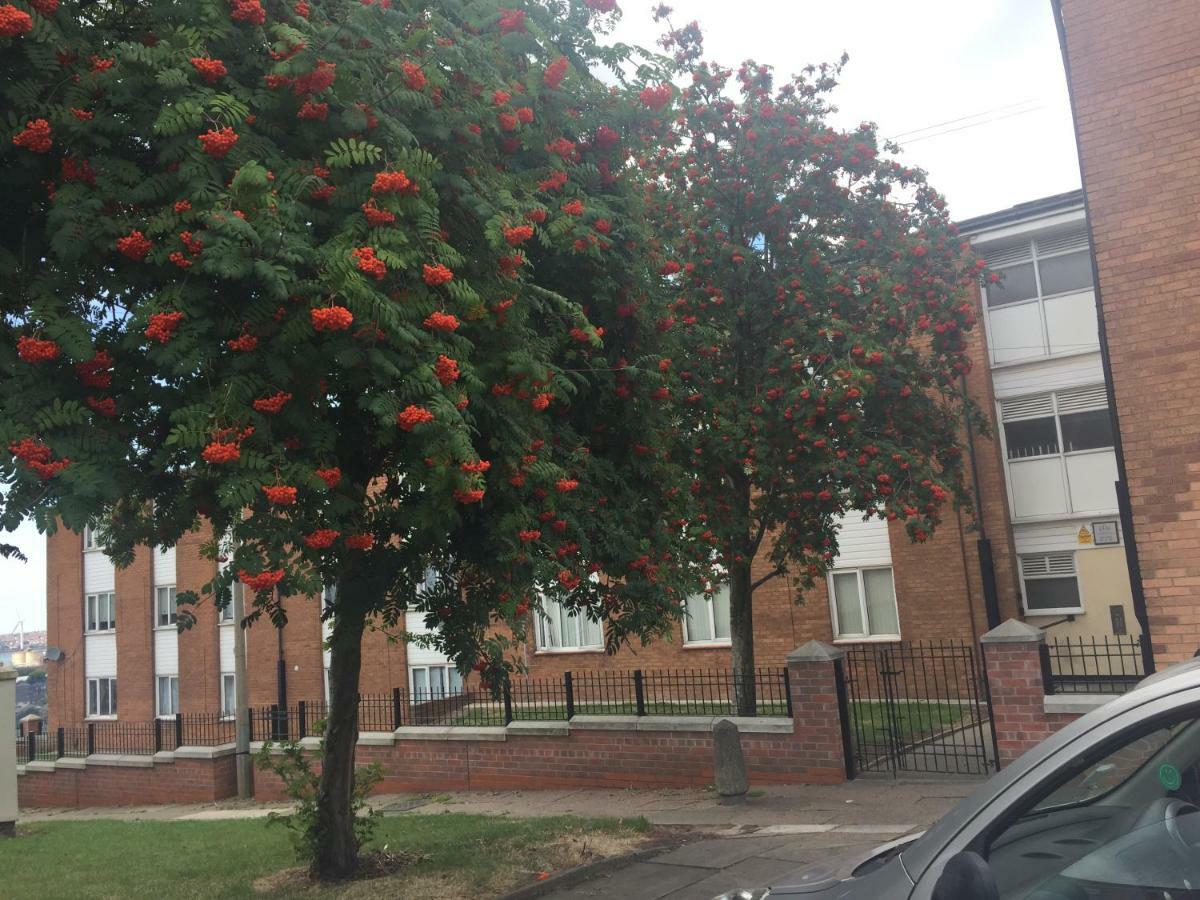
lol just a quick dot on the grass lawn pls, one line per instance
(912, 720)
(452, 855)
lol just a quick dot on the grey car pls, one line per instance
(1106, 809)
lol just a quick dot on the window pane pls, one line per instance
(112, 696)
(174, 695)
(590, 632)
(455, 680)
(93, 702)
(1087, 430)
(1016, 283)
(1032, 437)
(698, 628)
(1051, 593)
(882, 617)
(1060, 274)
(848, 603)
(163, 698)
(437, 681)
(570, 629)
(90, 605)
(420, 683)
(720, 605)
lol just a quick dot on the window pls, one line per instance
(1068, 421)
(433, 682)
(89, 538)
(1046, 276)
(228, 696)
(101, 611)
(328, 597)
(1051, 584)
(864, 603)
(101, 697)
(567, 629)
(1118, 821)
(164, 603)
(168, 695)
(707, 619)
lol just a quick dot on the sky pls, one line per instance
(973, 91)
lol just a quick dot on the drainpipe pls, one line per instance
(987, 565)
(1124, 507)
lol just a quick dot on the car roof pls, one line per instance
(1176, 679)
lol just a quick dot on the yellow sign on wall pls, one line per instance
(1085, 536)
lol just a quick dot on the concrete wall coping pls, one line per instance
(451, 733)
(376, 738)
(39, 765)
(759, 724)
(1075, 703)
(71, 762)
(1014, 631)
(540, 729)
(605, 723)
(7, 674)
(816, 651)
(215, 752)
(164, 756)
(113, 759)
(20, 769)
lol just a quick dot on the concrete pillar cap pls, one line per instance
(1014, 631)
(816, 651)
(7, 674)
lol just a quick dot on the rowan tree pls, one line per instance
(359, 285)
(821, 293)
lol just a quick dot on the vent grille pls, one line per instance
(1027, 408)
(1007, 254)
(1064, 242)
(1048, 565)
(1081, 399)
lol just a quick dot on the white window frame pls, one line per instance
(172, 690)
(426, 667)
(110, 695)
(1040, 300)
(545, 622)
(89, 539)
(1074, 573)
(838, 636)
(710, 607)
(228, 695)
(1062, 455)
(96, 599)
(171, 609)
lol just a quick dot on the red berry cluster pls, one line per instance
(561, 147)
(511, 21)
(440, 321)
(332, 318)
(243, 343)
(211, 70)
(162, 326)
(321, 539)
(263, 581)
(105, 406)
(36, 350)
(573, 207)
(360, 541)
(468, 496)
(445, 370)
(317, 112)
(13, 22)
(249, 11)
(377, 217)
(414, 77)
(135, 245)
(518, 234)
(412, 416)
(280, 494)
(221, 452)
(38, 458)
(218, 143)
(273, 404)
(565, 485)
(331, 476)
(655, 98)
(369, 263)
(555, 73)
(393, 183)
(436, 274)
(36, 136)
(96, 372)
(528, 536)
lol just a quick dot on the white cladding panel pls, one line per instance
(1051, 375)
(164, 566)
(1049, 537)
(1071, 323)
(166, 651)
(225, 640)
(1093, 481)
(1037, 487)
(414, 623)
(862, 543)
(100, 652)
(1015, 332)
(98, 572)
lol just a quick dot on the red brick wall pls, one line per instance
(181, 781)
(199, 646)
(1018, 699)
(64, 627)
(135, 639)
(1135, 77)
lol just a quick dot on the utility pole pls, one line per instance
(241, 726)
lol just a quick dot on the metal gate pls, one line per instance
(917, 707)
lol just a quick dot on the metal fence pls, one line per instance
(126, 738)
(1107, 665)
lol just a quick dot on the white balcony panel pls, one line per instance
(1071, 323)
(862, 543)
(1037, 486)
(98, 572)
(164, 566)
(1048, 375)
(1015, 333)
(225, 640)
(414, 623)
(100, 652)
(1092, 477)
(166, 651)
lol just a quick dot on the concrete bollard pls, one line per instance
(729, 764)
(8, 752)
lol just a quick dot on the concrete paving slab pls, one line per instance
(753, 872)
(643, 881)
(719, 853)
(811, 850)
(794, 829)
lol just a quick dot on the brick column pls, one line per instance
(1012, 655)
(8, 756)
(816, 720)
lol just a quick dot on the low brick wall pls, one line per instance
(188, 775)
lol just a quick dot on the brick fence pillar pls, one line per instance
(813, 672)
(1012, 656)
(8, 755)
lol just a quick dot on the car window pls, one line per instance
(1109, 773)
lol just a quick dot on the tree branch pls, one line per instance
(774, 573)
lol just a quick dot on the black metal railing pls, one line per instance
(1081, 665)
(120, 738)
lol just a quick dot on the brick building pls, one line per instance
(1133, 68)
(1036, 372)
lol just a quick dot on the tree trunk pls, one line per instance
(337, 847)
(741, 634)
